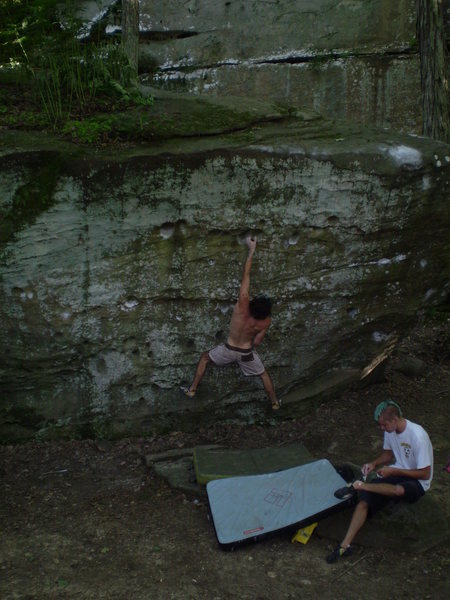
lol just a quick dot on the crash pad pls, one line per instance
(247, 507)
(210, 464)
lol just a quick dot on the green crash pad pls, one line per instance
(213, 464)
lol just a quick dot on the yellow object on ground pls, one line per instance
(304, 534)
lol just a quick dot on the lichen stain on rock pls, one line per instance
(31, 197)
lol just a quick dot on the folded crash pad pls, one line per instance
(214, 463)
(244, 508)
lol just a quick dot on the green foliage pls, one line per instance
(28, 27)
(28, 118)
(68, 77)
(77, 78)
(89, 131)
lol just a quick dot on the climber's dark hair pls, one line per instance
(260, 307)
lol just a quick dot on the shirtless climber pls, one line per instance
(249, 322)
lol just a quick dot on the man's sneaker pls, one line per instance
(339, 552)
(186, 391)
(345, 493)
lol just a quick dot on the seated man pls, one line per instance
(408, 450)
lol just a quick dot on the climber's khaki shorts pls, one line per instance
(247, 359)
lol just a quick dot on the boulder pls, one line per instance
(118, 268)
(411, 528)
(352, 60)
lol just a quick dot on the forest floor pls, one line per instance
(89, 520)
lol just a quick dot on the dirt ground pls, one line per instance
(88, 519)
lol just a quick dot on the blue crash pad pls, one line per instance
(244, 508)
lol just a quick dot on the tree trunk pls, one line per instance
(433, 69)
(130, 32)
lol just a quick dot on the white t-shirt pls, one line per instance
(412, 449)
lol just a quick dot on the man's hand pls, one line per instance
(367, 468)
(358, 484)
(251, 243)
(387, 471)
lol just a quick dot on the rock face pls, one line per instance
(118, 270)
(353, 60)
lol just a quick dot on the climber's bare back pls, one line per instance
(245, 330)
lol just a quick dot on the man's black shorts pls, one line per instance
(413, 492)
